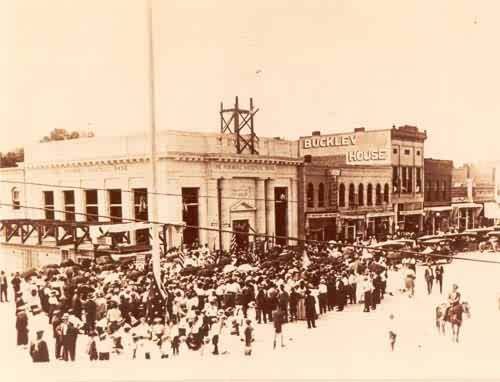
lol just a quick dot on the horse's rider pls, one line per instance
(453, 298)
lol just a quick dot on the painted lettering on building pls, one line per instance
(358, 156)
(329, 141)
(244, 167)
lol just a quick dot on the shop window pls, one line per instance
(69, 205)
(361, 195)
(91, 206)
(386, 193)
(352, 195)
(310, 195)
(369, 195)
(321, 195)
(16, 203)
(378, 195)
(48, 200)
(341, 195)
(115, 205)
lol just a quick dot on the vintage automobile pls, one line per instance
(393, 250)
(432, 247)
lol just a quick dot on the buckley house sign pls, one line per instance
(329, 141)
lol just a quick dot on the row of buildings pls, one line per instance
(325, 187)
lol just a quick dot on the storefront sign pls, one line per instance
(329, 141)
(358, 157)
(244, 167)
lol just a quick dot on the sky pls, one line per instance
(309, 65)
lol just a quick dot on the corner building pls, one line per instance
(202, 181)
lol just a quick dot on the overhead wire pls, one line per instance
(274, 237)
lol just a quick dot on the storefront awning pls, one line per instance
(412, 212)
(492, 210)
(353, 217)
(438, 209)
(380, 214)
(467, 205)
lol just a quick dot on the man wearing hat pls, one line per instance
(3, 287)
(22, 326)
(39, 351)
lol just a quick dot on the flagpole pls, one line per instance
(155, 244)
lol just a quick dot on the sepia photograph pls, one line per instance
(266, 190)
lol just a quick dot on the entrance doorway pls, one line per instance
(241, 230)
(190, 215)
(281, 214)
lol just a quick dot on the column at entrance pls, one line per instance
(260, 205)
(270, 207)
(203, 200)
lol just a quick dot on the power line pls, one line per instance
(133, 191)
(289, 238)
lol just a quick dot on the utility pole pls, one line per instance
(155, 245)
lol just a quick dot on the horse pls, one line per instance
(453, 315)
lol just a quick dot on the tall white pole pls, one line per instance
(155, 254)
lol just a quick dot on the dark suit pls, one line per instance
(39, 351)
(68, 341)
(438, 272)
(3, 288)
(310, 307)
(22, 328)
(429, 279)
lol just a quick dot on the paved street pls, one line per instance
(349, 344)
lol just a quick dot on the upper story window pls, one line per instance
(69, 205)
(16, 203)
(91, 206)
(361, 195)
(407, 151)
(394, 151)
(369, 195)
(378, 195)
(310, 195)
(352, 196)
(321, 195)
(386, 193)
(115, 205)
(418, 153)
(341, 195)
(48, 201)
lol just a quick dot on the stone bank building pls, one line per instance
(202, 182)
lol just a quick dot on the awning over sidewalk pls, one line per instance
(467, 205)
(412, 212)
(492, 210)
(380, 214)
(438, 209)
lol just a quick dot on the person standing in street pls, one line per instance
(392, 332)
(429, 278)
(366, 290)
(3, 287)
(22, 326)
(310, 307)
(438, 274)
(278, 326)
(39, 351)
(248, 337)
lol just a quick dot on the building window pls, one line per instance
(386, 193)
(369, 195)
(141, 204)
(407, 151)
(69, 205)
(331, 194)
(404, 180)
(435, 190)
(341, 195)
(395, 179)
(115, 205)
(91, 206)
(16, 204)
(418, 153)
(418, 188)
(428, 195)
(395, 151)
(48, 201)
(321, 195)
(352, 195)
(310, 195)
(443, 190)
(361, 195)
(378, 195)
(409, 186)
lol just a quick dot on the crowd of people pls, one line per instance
(210, 306)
